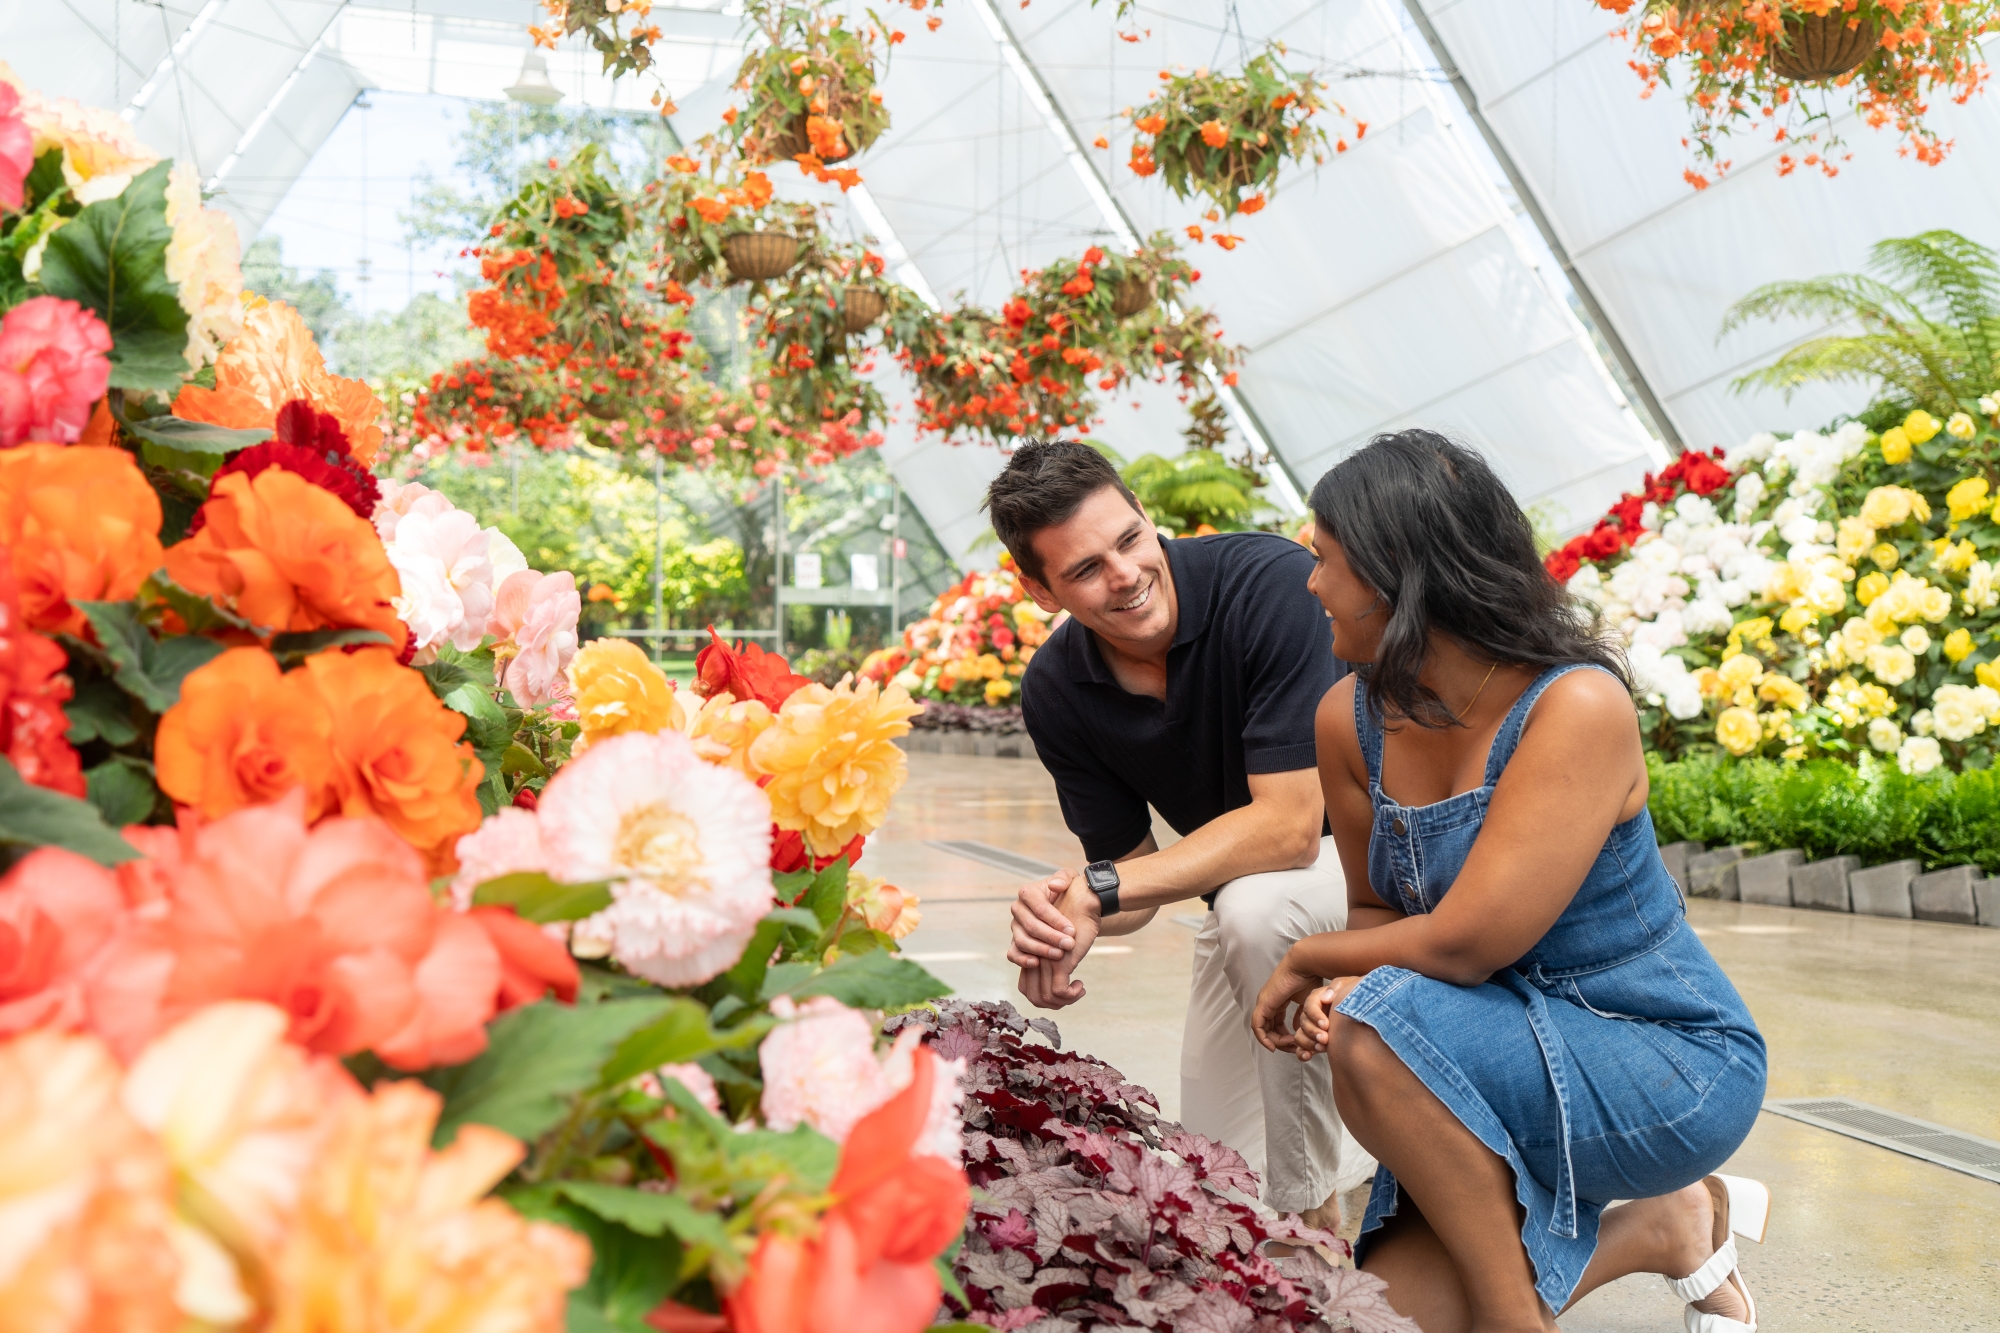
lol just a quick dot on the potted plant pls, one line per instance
(809, 85)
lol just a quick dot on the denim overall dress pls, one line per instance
(1613, 1061)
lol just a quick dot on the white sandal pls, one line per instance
(1742, 1207)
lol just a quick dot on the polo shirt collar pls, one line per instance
(1193, 567)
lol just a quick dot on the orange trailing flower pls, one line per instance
(1252, 203)
(271, 362)
(1214, 133)
(79, 525)
(393, 1235)
(246, 733)
(397, 751)
(825, 134)
(287, 555)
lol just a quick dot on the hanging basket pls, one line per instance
(1234, 165)
(758, 256)
(1823, 46)
(1132, 296)
(860, 307)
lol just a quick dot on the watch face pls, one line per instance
(1101, 875)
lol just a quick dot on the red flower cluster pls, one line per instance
(745, 671)
(1694, 471)
(32, 693)
(312, 445)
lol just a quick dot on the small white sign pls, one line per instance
(806, 570)
(864, 572)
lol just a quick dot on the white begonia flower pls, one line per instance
(1891, 663)
(1988, 700)
(1706, 615)
(1979, 593)
(1990, 405)
(1649, 517)
(1960, 427)
(1922, 722)
(1956, 714)
(1753, 450)
(1919, 755)
(1588, 584)
(1885, 735)
(1664, 631)
(447, 577)
(1749, 494)
(1917, 639)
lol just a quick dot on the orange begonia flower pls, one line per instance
(245, 733)
(397, 752)
(869, 1268)
(271, 362)
(1214, 133)
(286, 555)
(81, 525)
(391, 1235)
(86, 1196)
(1252, 203)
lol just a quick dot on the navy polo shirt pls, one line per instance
(1250, 661)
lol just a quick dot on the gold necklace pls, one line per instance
(1476, 693)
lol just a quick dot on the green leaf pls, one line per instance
(100, 711)
(36, 817)
(827, 898)
(291, 649)
(872, 980)
(112, 258)
(536, 897)
(179, 435)
(648, 1214)
(520, 759)
(790, 885)
(46, 178)
(149, 671)
(122, 790)
(630, 1274)
(537, 1057)
(486, 724)
(198, 613)
(802, 1153)
(684, 1033)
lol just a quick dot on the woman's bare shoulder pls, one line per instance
(1584, 708)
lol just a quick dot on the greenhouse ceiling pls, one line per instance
(1407, 281)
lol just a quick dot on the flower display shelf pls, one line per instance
(758, 256)
(861, 307)
(1823, 46)
(1134, 295)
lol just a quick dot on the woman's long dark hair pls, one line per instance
(1427, 525)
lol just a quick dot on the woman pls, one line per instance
(1521, 1025)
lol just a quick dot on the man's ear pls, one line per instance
(1041, 595)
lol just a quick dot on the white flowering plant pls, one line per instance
(1834, 596)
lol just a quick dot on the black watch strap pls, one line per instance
(1102, 879)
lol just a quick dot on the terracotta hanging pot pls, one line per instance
(860, 307)
(1132, 296)
(758, 256)
(1823, 46)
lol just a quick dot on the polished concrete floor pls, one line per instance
(1901, 1014)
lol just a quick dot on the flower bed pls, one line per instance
(972, 647)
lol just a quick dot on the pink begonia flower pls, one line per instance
(538, 614)
(820, 1069)
(509, 840)
(17, 149)
(61, 916)
(53, 368)
(402, 497)
(447, 576)
(692, 1077)
(686, 845)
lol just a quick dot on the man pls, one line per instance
(1186, 679)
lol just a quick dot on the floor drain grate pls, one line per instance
(1027, 867)
(1889, 1129)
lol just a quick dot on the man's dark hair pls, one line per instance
(1044, 483)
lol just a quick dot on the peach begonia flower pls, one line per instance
(617, 690)
(446, 576)
(286, 555)
(820, 1069)
(61, 917)
(246, 733)
(869, 1269)
(54, 366)
(272, 361)
(81, 525)
(86, 1196)
(686, 845)
(242, 1114)
(534, 616)
(724, 728)
(692, 1077)
(397, 752)
(833, 761)
(882, 905)
(100, 153)
(202, 263)
(334, 925)
(392, 1235)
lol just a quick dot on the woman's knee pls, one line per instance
(1363, 1064)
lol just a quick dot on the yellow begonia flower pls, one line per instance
(1917, 639)
(1967, 498)
(1825, 594)
(1709, 681)
(882, 906)
(1757, 627)
(1740, 671)
(1960, 427)
(1870, 587)
(1885, 556)
(1796, 619)
(1783, 691)
(725, 728)
(1988, 674)
(1783, 584)
(999, 691)
(1936, 604)
(1955, 558)
(1889, 506)
(1853, 538)
(1877, 701)
(1895, 445)
(618, 689)
(991, 667)
(1958, 644)
(1739, 731)
(833, 761)
(1920, 426)
(1891, 663)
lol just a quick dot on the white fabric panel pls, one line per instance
(1667, 261)
(305, 114)
(99, 52)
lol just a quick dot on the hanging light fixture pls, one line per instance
(534, 84)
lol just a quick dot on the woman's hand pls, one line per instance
(1272, 1021)
(1316, 1016)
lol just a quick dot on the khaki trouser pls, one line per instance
(1268, 1105)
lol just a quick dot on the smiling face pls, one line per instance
(1358, 615)
(1105, 566)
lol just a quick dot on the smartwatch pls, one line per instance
(1101, 877)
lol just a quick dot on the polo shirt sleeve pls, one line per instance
(1101, 809)
(1288, 666)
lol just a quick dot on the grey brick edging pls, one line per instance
(1015, 745)
(1960, 895)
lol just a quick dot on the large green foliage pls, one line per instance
(112, 258)
(1929, 318)
(1200, 486)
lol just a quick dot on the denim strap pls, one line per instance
(1517, 717)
